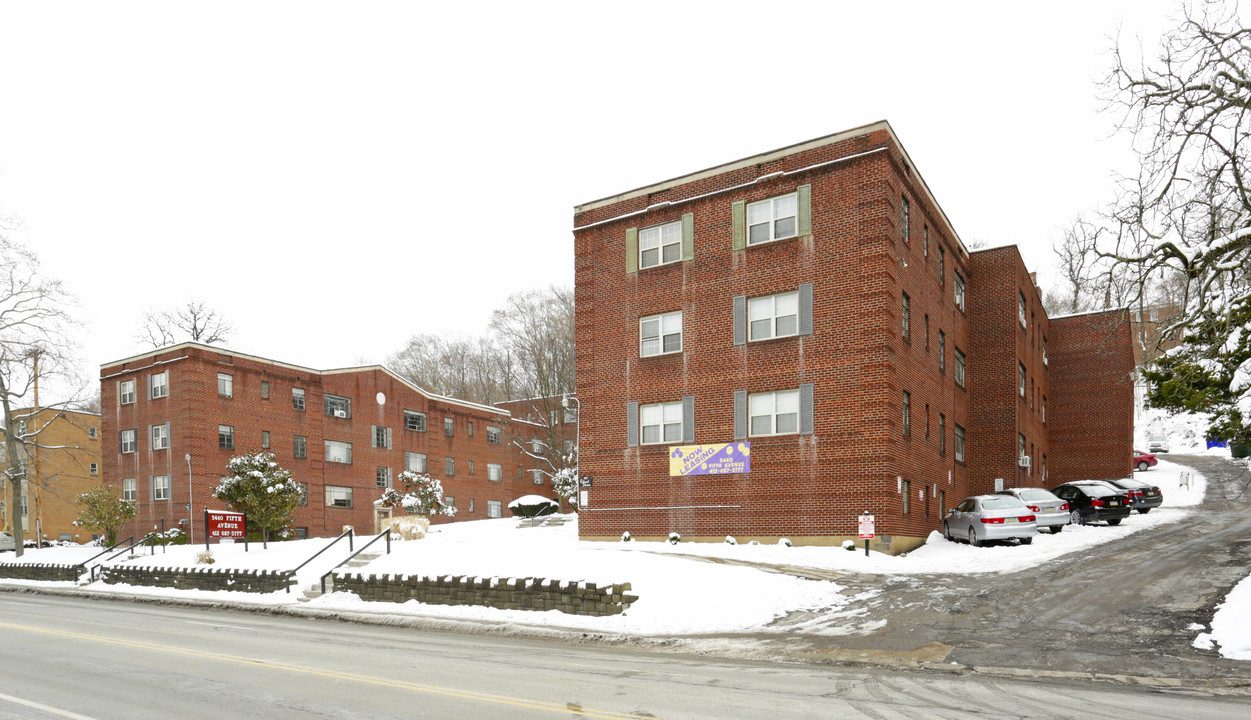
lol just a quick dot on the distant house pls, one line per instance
(62, 461)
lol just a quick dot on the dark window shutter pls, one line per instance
(688, 236)
(740, 414)
(740, 319)
(805, 210)
(632, 424)
(806, 423)
(632, 250)
(119, 441)
(738, 217)
(805, 309)
(688, 419)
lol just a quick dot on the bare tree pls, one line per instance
(34, 344)
(469, 368)
(194, 321)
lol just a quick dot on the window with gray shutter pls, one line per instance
(805, 210)
(806, 419)
(688, 419)
(805, 309)
(740, 319)
(632, 424)
(740, 414)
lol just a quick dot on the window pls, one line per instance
(339, 407)
(905, 489)
(338, 452)
(381, 437)
(660, 423)
(225, 385)
(93, 433)
(959, 443)
(660, 244)
(660, 334)
(264, 439)
(226, 437)
(449, 466)
(471, 468)
(536, 446)
(494, 436)
(95, 468)
(907, 413)
(160, 487)
(304, 496)
(773, 316)
(1044, 410)
(1020, 379)
(571, 415)
(415, 462)
(1044, 350)
(414, 421)
(927, 421)
(449, 501)
(537, 476)
(449, 426)
(942, 434)
(299, 446)
(959, 291)
(904, 222)
(127, 441)
(1020, 445)
(297, 398)
(942, 266)
(160, 437)
(772, 219)
(1020, 309)
(925, 241)
(383, 477)
(126, 392)
(264, 390)
(774, 413)
(128, 490)
(495, 508)
(942, 351)
(495, 472)
(1043, 474)
(337, 496)
(906, 317)
(927, 331)
(470, 504)
(959, 368)
(158, 385)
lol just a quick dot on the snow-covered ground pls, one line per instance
(1185, 431)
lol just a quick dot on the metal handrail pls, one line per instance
(385, 533)
(131, 546)
(348, 533)
(110, 549)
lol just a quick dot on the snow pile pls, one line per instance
(1231, 632)
(1186, 432)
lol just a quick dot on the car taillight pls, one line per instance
(1096, 502)
(993, 521)
(1035, 508)
(1027, 518)
(1065, 506)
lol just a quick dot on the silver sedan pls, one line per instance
(986, 518)
(1051, 512)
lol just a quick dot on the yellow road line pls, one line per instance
(339, 675)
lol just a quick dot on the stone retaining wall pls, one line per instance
(504, 593)
(237, 580)
(22, 571)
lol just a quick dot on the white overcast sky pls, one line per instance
(335, 177)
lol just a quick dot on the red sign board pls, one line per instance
(866, 527)
(225, 524)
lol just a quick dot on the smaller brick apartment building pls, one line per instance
(549, 433)
(173, 417)
(813, 307)
(66, 465)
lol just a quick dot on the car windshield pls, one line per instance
(1035, 494)
(1001, 503)
(1098, 490)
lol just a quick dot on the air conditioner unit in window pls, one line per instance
(340, 413)
(1023, 461)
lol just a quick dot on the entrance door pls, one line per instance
(382, 519)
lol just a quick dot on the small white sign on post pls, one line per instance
(582, 498)
(866, 527)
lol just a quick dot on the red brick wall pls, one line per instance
(1092, 419)
(800, 485)
(194, 411)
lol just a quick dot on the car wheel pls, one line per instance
(1143, 511)
(1115, 522)
(1142, 466)
(947, 533)
(1075, 517)
(973, 538)
(1026, 541)
(1055, 529)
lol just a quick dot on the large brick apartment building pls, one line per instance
(61, 464)
(812, 310)
(345, 434)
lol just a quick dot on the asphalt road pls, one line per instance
(65, 657)
(1121, 608)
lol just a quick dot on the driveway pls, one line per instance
(1124, 607)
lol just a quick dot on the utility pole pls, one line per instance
(35, 422)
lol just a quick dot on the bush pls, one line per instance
(533, 506)
(625, 537)
(729, 540)
(204, 557)
(849, 545)
(785, 542)
(674, 538)
(410, 527)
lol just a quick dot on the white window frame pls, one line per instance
(381, 437)
(766, 404)
(133, 444)
(225, 437)
(416, 418)
(94, 468)
(960, 367)
(297, 399)
(959, 291)
(382, 478)
(655, 238)
(299, 446)
(494, 435)
(130, 490)
(662, 418)
(160, 437)
(662, 332)
(1020, 309)
(93, 432)
(960, 440)
(449, 466)
(126, 392)
(773, 218)
(225, 385)
(338, 496)
(906, 312)
(158, 385)
(337, 449)
(415, 462)
(765, 308)
(334, 404)
(495, 472)
(160, 487)
(495, 508)
(1020, 379)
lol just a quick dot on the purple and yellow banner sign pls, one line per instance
(721, 459)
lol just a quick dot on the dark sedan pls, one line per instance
(1094, 501)
(1142, 495)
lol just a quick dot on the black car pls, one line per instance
(1094, 501)
(1142, 495)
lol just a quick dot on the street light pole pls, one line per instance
(190, 504)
